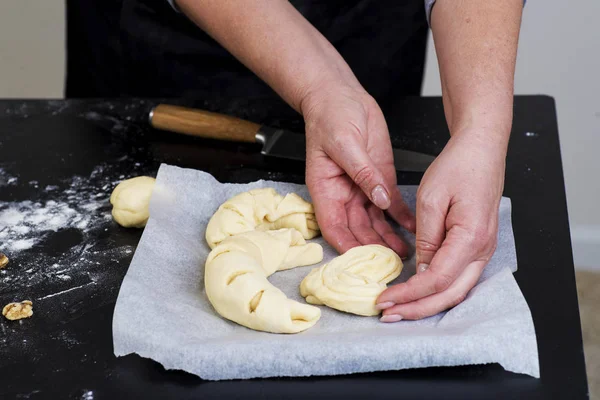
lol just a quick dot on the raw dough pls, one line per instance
(261, 209)
(131, 200)
(235, 277)
(14, 311)
(353, 281)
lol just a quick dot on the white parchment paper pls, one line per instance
(162, 311)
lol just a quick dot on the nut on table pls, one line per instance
(15, 311)
(3, 260)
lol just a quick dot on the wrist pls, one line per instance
(327, 91)
(483, 126)
(486, 139)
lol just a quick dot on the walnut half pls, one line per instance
(3, 260)
(14, 311)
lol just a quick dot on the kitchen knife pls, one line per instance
(275, 142)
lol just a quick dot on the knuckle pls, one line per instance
(419, 313)
(479, 241)
(370, 101)
(493, 246)
(363, 176)
(410, 293)
(337, 141)
(443, 282)
(427, 201)
(483, 232)
(489, 247)
(480, 236)
(457, 299)
(424, 245)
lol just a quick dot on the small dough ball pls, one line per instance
(353, 281)
(131, 201)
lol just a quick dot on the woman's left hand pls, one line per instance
(457, 227)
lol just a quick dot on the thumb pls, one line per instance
(431, 228)
(352, 157)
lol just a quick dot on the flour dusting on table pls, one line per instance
(79, 206)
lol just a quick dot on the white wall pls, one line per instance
(559, 55)
(32, 42)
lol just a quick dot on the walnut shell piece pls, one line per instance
(15, 311)
(3, 260)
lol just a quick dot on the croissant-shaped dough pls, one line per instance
(261, 209)
(236, 282)
(353, 281)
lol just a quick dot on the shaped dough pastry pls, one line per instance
(353, 281)
(236, 282)
(261, 209)
(131, 201)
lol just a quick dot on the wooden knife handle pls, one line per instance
(202, 123)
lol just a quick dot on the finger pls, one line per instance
(353, 158)
(438, 302)
(383, 228)
(432, 210)
(359, 224)
(333, 222)
(400, 212)
(451, 259)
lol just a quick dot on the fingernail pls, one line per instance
(384, 305)
(380, 197)
(391, 318)
(422, 267)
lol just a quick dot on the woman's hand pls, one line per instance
(350, 170)
(457, 227)
(457, 202)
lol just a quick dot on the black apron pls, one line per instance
(143, 48)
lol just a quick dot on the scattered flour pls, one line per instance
(88, 395)
(6, 179)
(79, 206)
(22, 222)
(63, 279)
(48, 269)
(21, 244)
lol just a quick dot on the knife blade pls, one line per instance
(275, 142)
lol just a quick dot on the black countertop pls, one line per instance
(59, 161)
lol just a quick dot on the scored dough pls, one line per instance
(131, 201)
(353, 281)
(236, 272)
(261, 209)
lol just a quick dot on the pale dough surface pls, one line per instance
(353, 281)
(261, 209)
(131, 201)
(236, 272)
